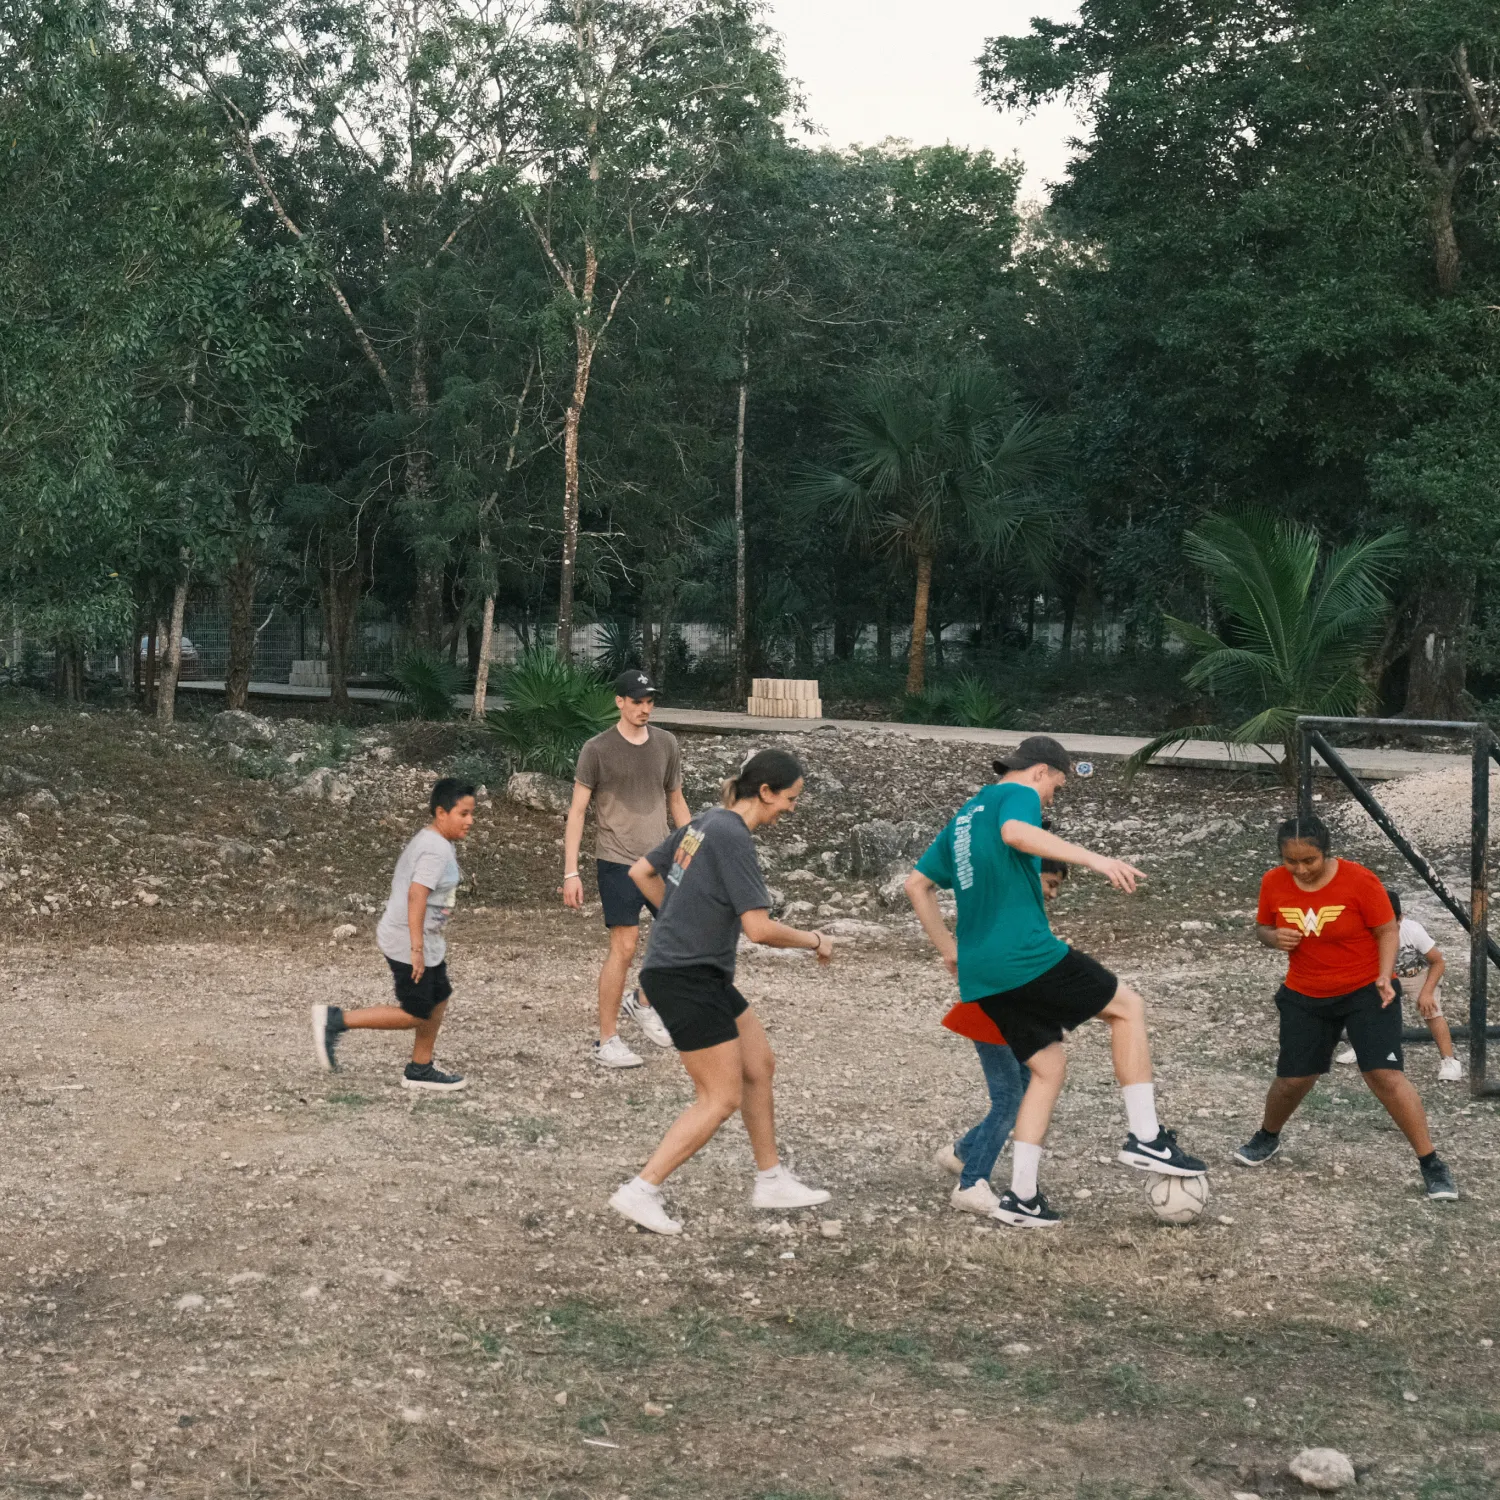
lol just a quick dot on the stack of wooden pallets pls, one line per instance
(784, 698)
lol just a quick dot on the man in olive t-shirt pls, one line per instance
(632, 774)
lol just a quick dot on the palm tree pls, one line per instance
(1300, 625)
(929, 463)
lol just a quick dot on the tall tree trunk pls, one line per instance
(486, 645)
(741, 646)
(166, 698)
(427, 604)
(1070, 611)
(151, 672)
(244, 574)
(916, 658)
(571, 424)
(137, 640)
(1435, 675)
(340, 593)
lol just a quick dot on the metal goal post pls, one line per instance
(1312, 736)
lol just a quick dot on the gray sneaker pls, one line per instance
(1259, 1149)
(1439, 1179)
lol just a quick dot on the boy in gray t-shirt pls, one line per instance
(413, 937)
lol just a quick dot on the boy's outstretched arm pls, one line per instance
(1029, 839)
(922, 893)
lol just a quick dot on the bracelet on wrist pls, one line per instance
(571, 875)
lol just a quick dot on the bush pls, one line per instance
(975, 702)
(551, 708)
(931, 707)
(425, 686)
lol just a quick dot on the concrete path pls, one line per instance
(1212, 755)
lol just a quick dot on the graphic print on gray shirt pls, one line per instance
(712, 878)
(429, 860)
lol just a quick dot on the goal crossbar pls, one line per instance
(1472, 916)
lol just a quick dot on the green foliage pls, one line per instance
(551, 708)
(622, 647)
(424, 686)
(931, 706)
(975, 702)
(1299, 625)
(929, 464)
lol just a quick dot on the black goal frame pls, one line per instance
(1483, 949)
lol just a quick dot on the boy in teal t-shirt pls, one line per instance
(1034, 987)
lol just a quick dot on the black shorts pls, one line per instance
(1035, 1014)
(698, 1004)
(620, 895)
(1310, 1030)
(423, 997)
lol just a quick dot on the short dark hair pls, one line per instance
(1395, 896)
(1308, 830)
(1055, 867)
(448, 792)
(777, 769)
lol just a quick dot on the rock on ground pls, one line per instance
(237, 727)
(1324, 1469)
(539, 792)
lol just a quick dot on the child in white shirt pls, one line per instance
(1416, 952)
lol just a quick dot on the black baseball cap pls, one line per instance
(634, 684)
(1037, 750)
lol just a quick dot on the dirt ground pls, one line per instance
(226, 1273)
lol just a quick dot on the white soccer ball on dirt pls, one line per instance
(1176, 1200)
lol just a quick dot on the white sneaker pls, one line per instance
(1345, 1055)
(634, 1201)
(633, 1008)
(782, 1190)
(979, 1199)
(615, 1054)
(947, 1158)
(1450, 1070)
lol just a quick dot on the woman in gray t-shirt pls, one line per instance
(706, 883)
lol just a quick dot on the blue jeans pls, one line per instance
(1006, 1080)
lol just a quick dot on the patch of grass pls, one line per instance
(823, 1333)
(602, 1337)
(594, 1424)
(352, 1099)
(1449, 1483)
(1131, 1386)
(1037, 1384)
(534, 1130)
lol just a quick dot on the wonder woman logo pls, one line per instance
(1311, 923)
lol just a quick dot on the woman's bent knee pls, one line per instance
(1127, 1005)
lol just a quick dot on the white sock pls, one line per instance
(769, 1173)
(1140, 1110)
(646, 1187)
(1026, 1158)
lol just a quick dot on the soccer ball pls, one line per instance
(1177, 1200)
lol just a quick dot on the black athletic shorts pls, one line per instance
(698, 1004)
(423, 997)
(1034, 1015)
(1310, 1030)
(620, 895)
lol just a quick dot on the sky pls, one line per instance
(877, 68)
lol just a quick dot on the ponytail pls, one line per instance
(777, 769)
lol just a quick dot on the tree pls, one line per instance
(926, 464)
(1288, 218)
(1299, 626)
(636, 100)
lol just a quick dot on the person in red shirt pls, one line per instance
(1333, 920)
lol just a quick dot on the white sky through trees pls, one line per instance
(877, 68)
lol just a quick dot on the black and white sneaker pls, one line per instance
(1027, 1213)
(1439, 1179)
(1259, 1149)
(1162, 1155)
(327, 1027)
(425, 1076)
